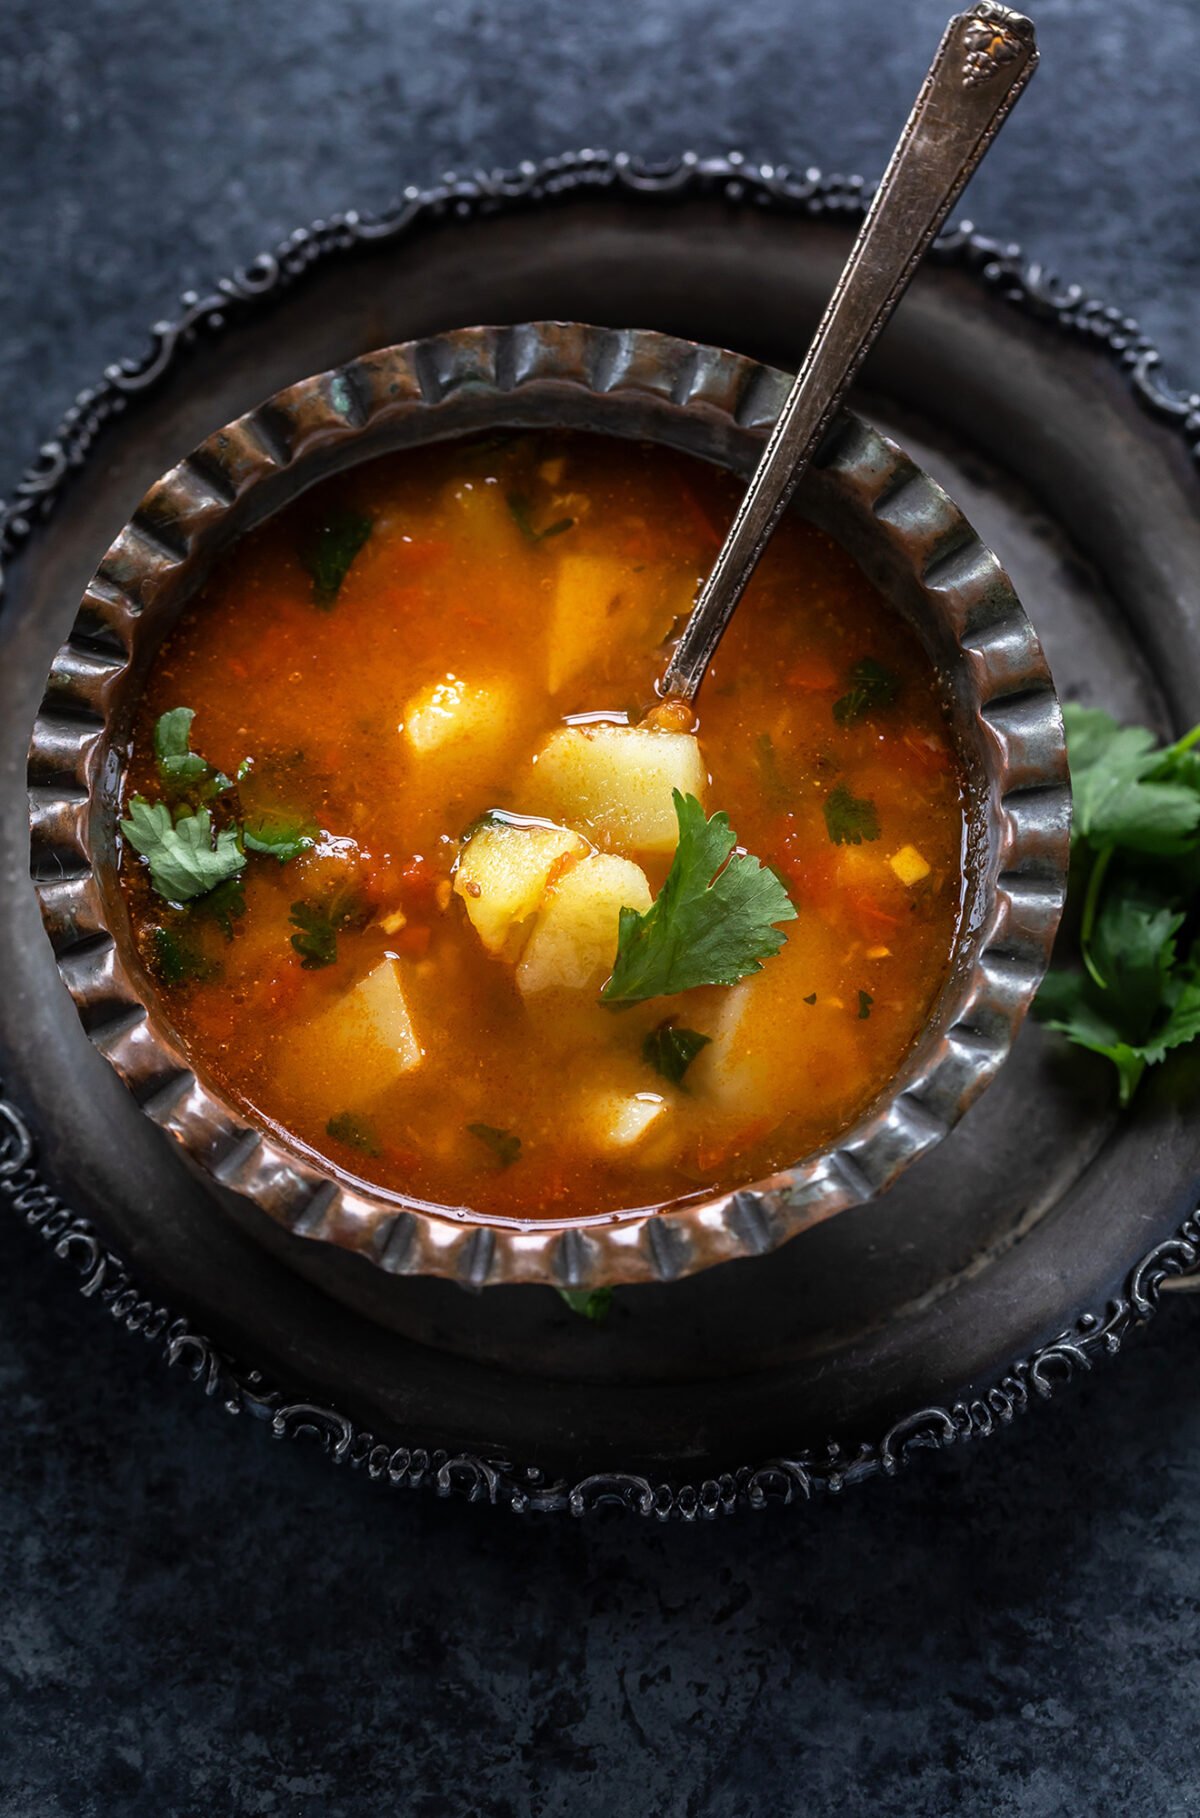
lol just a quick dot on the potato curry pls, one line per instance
(424, 876)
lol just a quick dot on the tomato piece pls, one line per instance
(413, 939)
(812, 674)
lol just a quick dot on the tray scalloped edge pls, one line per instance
(105, 1279)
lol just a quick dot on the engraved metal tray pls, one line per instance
(1019, 1253)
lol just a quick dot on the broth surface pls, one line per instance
(497, 590)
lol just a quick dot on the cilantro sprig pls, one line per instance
(187, 856)
(1136, 860)
(712, 923)
(871, 688)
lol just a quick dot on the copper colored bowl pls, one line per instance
(906, 535)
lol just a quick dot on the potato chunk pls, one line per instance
(355, 1050)
(502, 876)
(615, 782)
(455, 718)
(909, 865)
(574, 939)
(621, 1120)
(600, 600)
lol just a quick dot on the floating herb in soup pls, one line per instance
(424, 878)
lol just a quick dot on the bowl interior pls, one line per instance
(898, 525)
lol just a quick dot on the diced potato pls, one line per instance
(908, 864)
(354, 1051)
(729, 1069)
(770, 1047)
(600, 599)
(502, 877)
(620, 1120)
(615, 782)
(455, 727)
(574, 939)
(480, 514)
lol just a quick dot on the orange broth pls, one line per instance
(505, 585)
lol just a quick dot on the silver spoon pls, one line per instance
(984, 60)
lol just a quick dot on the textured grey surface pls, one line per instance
(193, 1621)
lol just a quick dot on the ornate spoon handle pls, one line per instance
(985, 58)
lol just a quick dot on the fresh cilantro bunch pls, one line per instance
(712, 923)
(1136, 862)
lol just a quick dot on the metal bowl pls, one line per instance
(909, 539)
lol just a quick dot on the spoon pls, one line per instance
(984, 60)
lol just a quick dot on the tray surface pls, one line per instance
(1018, 1253)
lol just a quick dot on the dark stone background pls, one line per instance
(196, 1622)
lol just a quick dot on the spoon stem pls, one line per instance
(985, 58)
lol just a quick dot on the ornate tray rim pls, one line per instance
(74, 1239)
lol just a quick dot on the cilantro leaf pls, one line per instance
(522, 516)
(281, 836)
(1067, 1003)
(178, 960)
(177, 762)
(1117, 801)
(503, 1144)
(225, 905)
(671, 1051)
(589, 1303)
(850, 819)
(320, 923)
(865, 1000)
(182, 770)
(1133, 951)
(328, 554)
(712, 923)
(184, 858)
(354, 1132)
(872, 687)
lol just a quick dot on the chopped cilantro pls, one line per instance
(811, 999)
(281, 836)
(178, 960)
(354, 1131)
(671, 1051)
(177, 762)
(872, 687)
(865, 1000)
(503, 1144)
(1136, 862)
(522, 515)
(319, 925)
(185, 859)
(712, 923)
(850, 819)
(225, 905)
(182, 770)
(589, 1303)
(329, 553)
